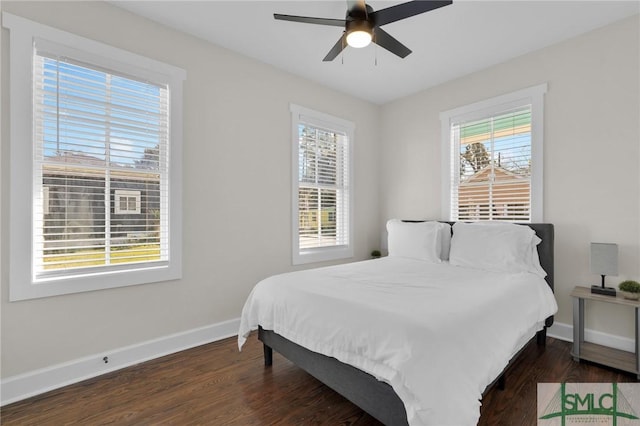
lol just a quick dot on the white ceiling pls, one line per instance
(447, 43)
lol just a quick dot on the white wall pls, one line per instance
(237, 183)
(591, 153)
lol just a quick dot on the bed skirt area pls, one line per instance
(376, 398)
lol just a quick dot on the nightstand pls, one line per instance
(622, 360)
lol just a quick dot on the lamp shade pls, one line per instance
(604, 258)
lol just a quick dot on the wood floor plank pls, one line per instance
(215, 384)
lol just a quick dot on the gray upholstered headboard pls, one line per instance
(544, 231)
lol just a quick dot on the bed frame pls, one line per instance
(375, 397)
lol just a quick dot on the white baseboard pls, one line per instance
(565, 332)
(35, 382)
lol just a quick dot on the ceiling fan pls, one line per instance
(362, 24)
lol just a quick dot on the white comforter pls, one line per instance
(438, 334)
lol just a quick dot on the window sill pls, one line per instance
(323, 254)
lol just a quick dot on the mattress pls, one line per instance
(438, 334)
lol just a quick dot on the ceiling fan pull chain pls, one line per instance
(375, 49)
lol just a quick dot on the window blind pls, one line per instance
(491, 174)
(323, 187)
(99, 134)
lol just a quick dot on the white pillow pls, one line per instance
(445, 239)
(419, 240)
(535, 266)
(499, 247)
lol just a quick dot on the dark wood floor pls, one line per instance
(215, 385)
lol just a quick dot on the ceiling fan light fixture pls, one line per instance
(358, 39)
(359, 34)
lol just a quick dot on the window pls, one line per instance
(322, 203)
(127, 202)
(104, 164)
(492, 158)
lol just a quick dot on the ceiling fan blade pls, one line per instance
(336, 49)
(384, 39)
(311, 20)
(406, 10)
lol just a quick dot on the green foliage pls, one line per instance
(630, 286)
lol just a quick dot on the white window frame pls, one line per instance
(319, 254)
(450, 159)
(122, 193)
(23, 206)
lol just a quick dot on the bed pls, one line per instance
(409, 338)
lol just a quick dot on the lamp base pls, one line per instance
(606, 291)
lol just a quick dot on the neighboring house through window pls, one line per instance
(104, 164)
(492, 158)
(127, 202)
(322, 201)
(45, 200)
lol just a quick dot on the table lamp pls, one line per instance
(604, 261)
